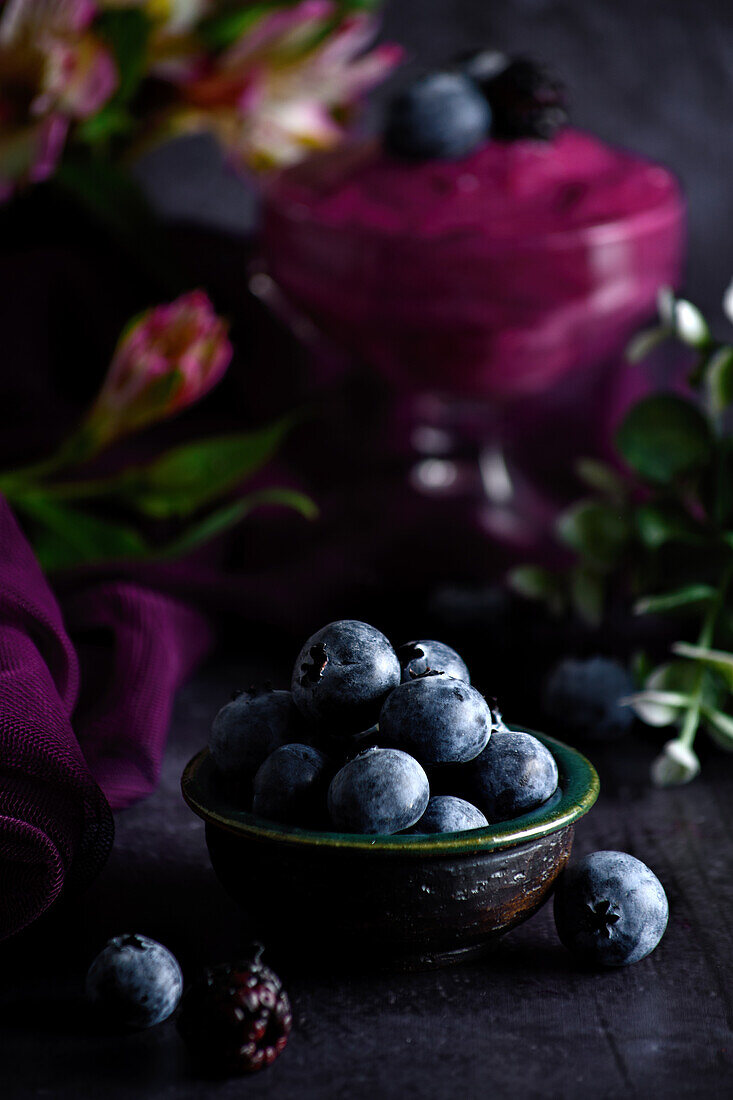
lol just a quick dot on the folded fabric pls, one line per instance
(62, 765)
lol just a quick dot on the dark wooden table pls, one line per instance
(523, 1023)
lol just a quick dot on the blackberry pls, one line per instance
(236, 1018)
(526, 97)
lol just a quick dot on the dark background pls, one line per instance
(654, 75)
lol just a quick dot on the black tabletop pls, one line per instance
(524, 1022)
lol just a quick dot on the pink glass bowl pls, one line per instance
(492, 276)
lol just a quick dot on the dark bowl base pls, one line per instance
(356, 909)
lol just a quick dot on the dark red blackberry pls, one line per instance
(526, 97)
(236, 1019)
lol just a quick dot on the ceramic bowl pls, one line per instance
(409, 901)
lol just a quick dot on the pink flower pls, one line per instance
(284, 88)
(166, 359)
(53, 71)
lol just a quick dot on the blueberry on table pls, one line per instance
(379, 791)
(235, 1019)
(417, 658)
(342, 676)
(135, 982)
(446, 813)
(250, 727)
(610, 909)
(513, 775)
(439, 719)
(582, 698)
(290, 786)
(441, 116)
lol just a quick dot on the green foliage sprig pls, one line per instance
(660, 531)
(166, 359)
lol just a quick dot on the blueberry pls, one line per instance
(342, 676)
(437, 718)
(581, 697)
(440, 116)
(249, 728)
(135, 981)
(513, 775)
(290, 787)
(610, 909)
(379, 791)
(447, 814)
(417, 658)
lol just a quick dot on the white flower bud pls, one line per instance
(676, 764)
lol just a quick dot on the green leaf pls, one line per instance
(664, 437)
(598, 531)
(535, 583)
(68, 537)
(719, 726)
(219, 31)
(644, 342)
(658, 524)
(195, 474)
(587, 594)
(716, 659)
(690, 595)
(126, 32)
(112, 120)
(601, 477)
(719, 378)
(230, 515)
(667, 693)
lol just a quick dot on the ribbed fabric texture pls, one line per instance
(62, 769)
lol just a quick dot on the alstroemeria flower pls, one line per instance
(53, 71)
(166, 359)
(285, 86)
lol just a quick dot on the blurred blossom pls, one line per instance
(285, 86)
(166, 359)
(53, 71)
(175, 15)
(676, 764)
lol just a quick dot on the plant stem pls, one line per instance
(691, 721)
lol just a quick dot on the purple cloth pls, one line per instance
(62, 768)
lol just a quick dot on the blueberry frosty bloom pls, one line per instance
(448, 814)
(437, 718)
(440, 116)
(513, 775)
(610, 909)
(417, 658)
(135, 981)
(342, 676)
(379, 791)
(290, 787)
(250, 727)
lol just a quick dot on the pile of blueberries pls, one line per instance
(373, 740)
(369, 740)
(358, 744)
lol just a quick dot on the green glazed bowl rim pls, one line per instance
(578, 785)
